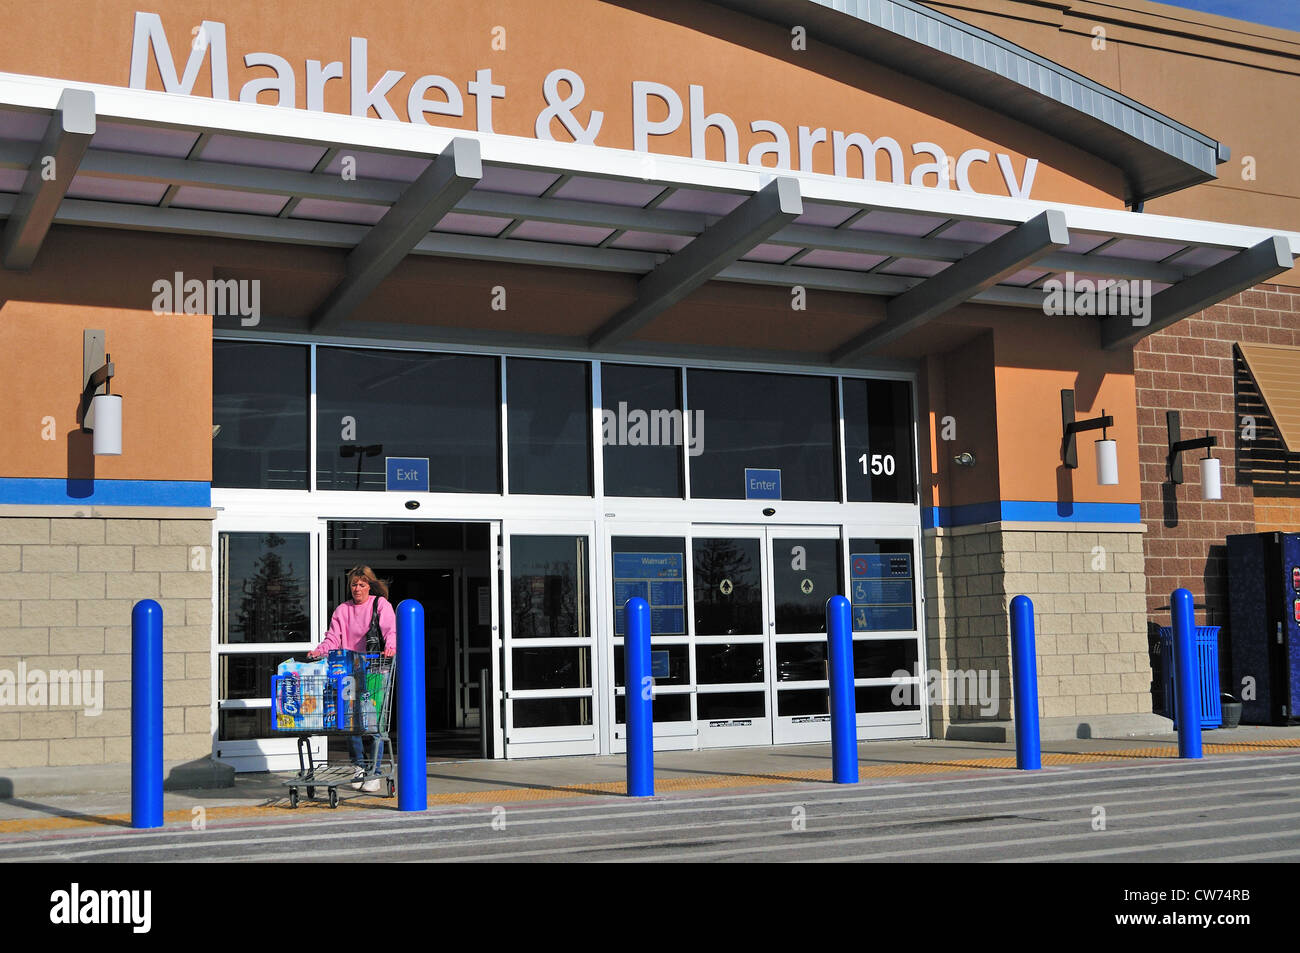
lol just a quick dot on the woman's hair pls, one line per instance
(377, 585)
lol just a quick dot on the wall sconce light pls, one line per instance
(964, 459)
(1107, 454)
(1211, 475)
(100, 411)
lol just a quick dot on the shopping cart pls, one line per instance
(356, 702)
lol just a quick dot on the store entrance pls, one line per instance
(446, 568)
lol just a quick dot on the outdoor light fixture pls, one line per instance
(100, 411)
(1107, 452)
(1211, 476)
(964, 459)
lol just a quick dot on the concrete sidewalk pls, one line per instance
(500, 782)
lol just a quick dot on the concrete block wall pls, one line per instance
(1089, 592)
(67, 587)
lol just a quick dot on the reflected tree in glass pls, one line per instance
(726, 588)
(272, 605)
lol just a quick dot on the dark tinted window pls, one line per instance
(769, 421)
(550, 426)
(643, 430)
(878, 441)
(259, 400)
(372, 405)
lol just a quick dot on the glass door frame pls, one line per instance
(272, 753)
(759, 732)
(560, 739)
(668, 736)
(784, 728)
(900, 724)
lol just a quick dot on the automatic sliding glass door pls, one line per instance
(548, 645)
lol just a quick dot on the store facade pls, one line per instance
(732, 306)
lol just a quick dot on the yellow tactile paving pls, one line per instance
(663, 785)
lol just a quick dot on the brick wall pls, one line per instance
(1189, 368)
(1277, 515)
(67, 587)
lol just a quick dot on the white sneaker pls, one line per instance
(373, 785)
(356, 778)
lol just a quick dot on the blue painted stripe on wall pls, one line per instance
(1030, 511)
(105, 492)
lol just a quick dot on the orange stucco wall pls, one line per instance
(163, 373)
(1038, 357)
(747, 67)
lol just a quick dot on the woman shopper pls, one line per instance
(361, 625)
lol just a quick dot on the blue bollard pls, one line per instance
(146, 715)
(844, 717)
(1186, 675)
(1024, 665)
(412, 771)
(640, 711)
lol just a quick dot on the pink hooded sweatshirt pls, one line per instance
(351, 622)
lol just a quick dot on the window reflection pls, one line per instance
(266, 588)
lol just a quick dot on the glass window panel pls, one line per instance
(805, 573)
(731, 705)
(878, 446)
(372, 405)
(552, 668)
(803, 701)
(882, 658)
(643, 430)
(882, 585)
(729, 662)
(728, 587)
(664, 708)
(677, 658)
(550, 426)
(806, 661)
(771, 421)
(266, 588)
(886, 698)
(259, 402)
(800, 661)
(652, 567)
(246, 676)
(548, 587)
(551, 712)
(245, 724)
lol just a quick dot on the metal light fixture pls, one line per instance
(100, 411)
(1107, 450)
(1211, 474)
(964, 459)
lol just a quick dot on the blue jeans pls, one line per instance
(356, 744)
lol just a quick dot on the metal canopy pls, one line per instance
(429, 198)
(719, 245)
(979, 270)
(187, 165)
(54, 166)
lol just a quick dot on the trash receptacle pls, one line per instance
(1206, 640)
